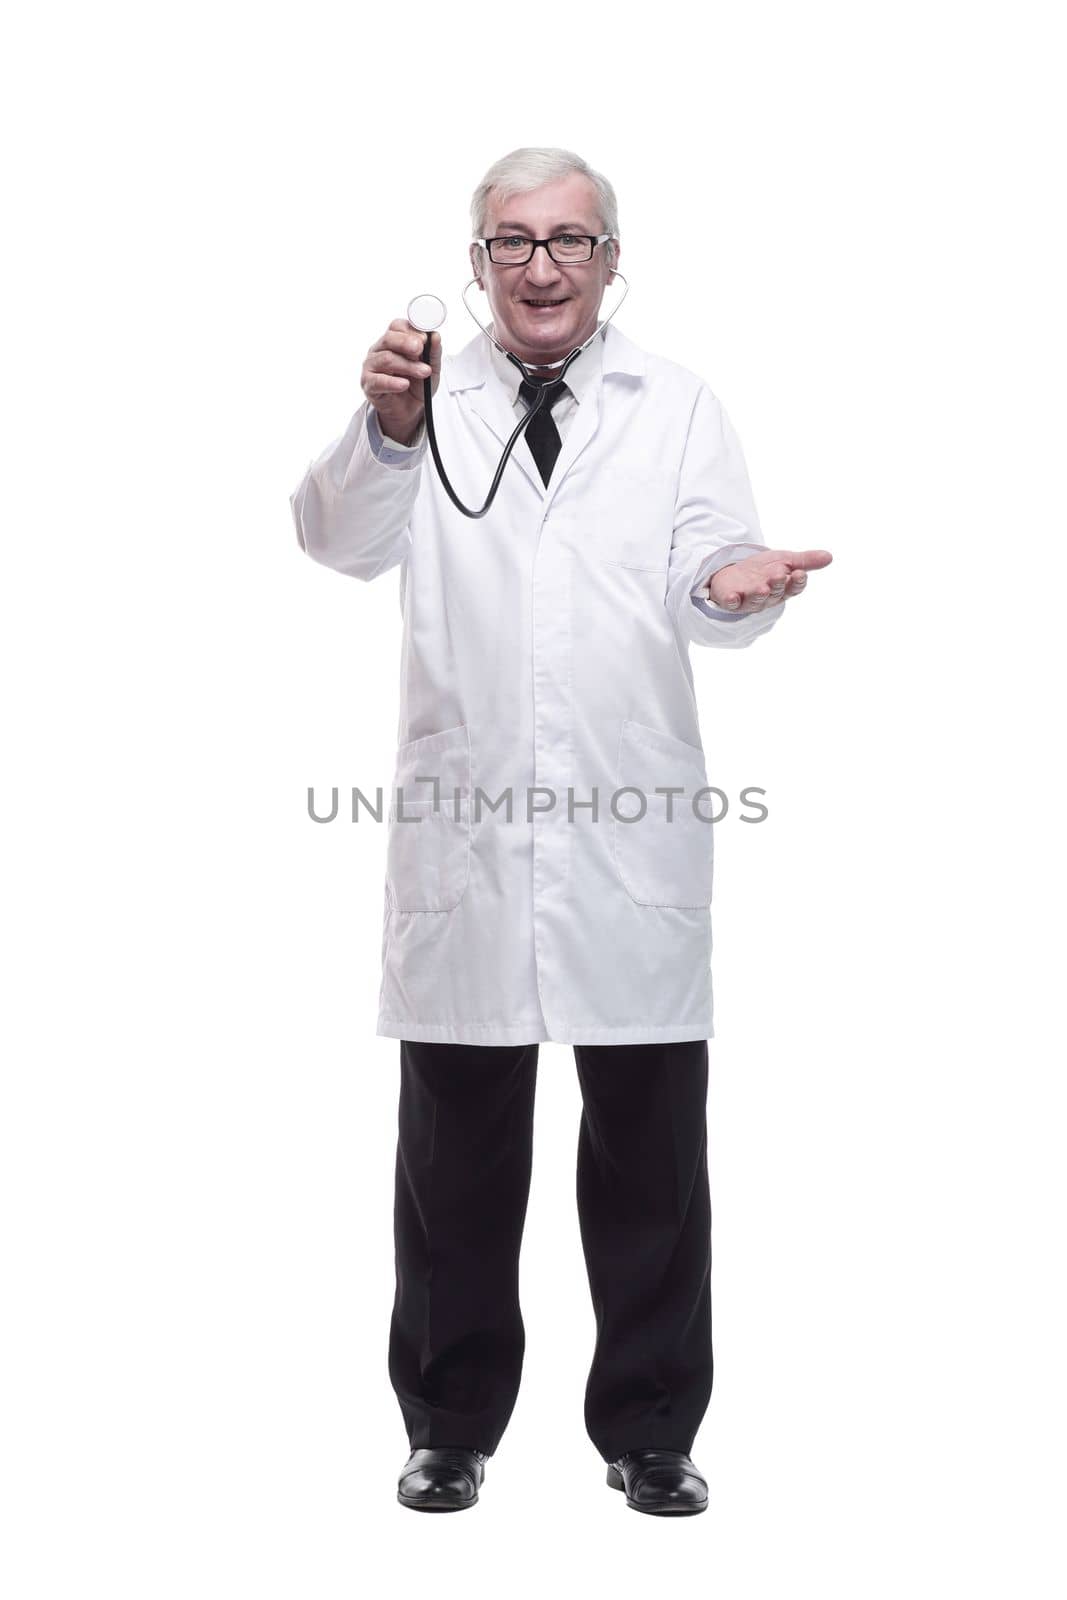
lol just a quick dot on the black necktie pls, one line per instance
(542, 435)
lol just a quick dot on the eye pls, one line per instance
(567, 238)
(514, 240)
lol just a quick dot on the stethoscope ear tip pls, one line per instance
(426, 312)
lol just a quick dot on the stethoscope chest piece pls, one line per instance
(426, 312)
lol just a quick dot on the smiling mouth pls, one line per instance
(546, 304)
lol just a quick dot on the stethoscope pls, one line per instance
(426, 312)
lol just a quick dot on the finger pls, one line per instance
(397, 365)
(406, 329)
(775, 577)
(409, 344)
(433, 356)
(795, 560)
(380, 384)
(402, 338)
(384, 381)
(806, 560)
(397, 329)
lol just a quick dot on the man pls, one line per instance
(547, 698)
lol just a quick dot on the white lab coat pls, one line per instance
(546, 648)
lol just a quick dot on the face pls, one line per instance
(541, 334)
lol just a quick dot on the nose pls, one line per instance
(541, 270)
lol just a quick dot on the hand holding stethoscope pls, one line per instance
(393, 375)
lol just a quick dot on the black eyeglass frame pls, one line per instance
(594, 240)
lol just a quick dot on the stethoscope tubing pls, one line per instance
(520, 426)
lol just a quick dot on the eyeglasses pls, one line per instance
(514, 249)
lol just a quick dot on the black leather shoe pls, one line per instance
(664, 1483)
(444, 1478)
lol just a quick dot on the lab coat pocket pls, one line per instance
(445, 756)
(428, 860)
(634, 517)
(665, 857)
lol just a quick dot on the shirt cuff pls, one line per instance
(713, 611)
(390, 451)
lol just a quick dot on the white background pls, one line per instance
(846, 218)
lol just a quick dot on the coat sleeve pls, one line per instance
(352, 508)
(715, 523)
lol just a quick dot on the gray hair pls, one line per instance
(531, 166)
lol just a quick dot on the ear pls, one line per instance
(476, 264)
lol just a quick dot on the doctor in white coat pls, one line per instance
(550, 860)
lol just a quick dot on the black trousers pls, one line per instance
(464, 1152)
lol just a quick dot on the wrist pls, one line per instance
(404, 436)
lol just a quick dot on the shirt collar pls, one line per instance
(582, 374)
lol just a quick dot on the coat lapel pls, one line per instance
(470, 374)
